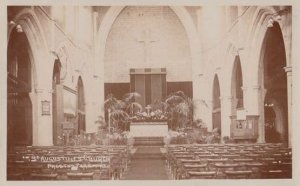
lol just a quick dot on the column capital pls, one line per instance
(197, 100)
(244, 88)
(209, 101)
(91, 103)
(43, 90)
(256, 87)
(253, 87)
(200, 75)
(224, 98)
(288, 69)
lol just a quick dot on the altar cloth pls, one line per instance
(149, 129)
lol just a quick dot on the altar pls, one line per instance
(149, 129)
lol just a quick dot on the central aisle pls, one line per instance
(148, 163)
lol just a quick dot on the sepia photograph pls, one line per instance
(149, 92)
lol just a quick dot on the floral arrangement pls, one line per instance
(102, 137)
(117, 138)
(157, 115)
(176, 137)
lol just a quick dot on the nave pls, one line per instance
(214, 161)
(149, 92)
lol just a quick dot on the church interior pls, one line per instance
(149, 92)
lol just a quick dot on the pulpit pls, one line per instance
(67, 131)
(244, 129)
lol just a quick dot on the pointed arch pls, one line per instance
(263, 20)
(38, 54)
(237, 86)
(113, 13)
(19, 88)
(57, 105)
(273, 79)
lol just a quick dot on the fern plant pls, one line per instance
(179, 109)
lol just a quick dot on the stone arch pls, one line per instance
(225, 74)
(38, 44)
(252, 55)
(113, 13)
(273, 80)
(231, 53)
(20, 85)
(237, 85)
(56, 101)
(29, 30)
(90, 99)
(83, 70)
(41, 79)
(255, 56)
(63, 53)
(86, 77)
(72, 68)
(27, 17)
(255, 39)
(259, 14)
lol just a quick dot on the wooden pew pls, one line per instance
(21, 164)
(222, 167)
(202, 174)
(238, 174)
(80, 176)
(43, 176)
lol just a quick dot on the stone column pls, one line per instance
(225, 116)
(92, 115)
(93, 97)
(208, 115)
(198, 96)
(242, 24)
(288, 71)
(42, 125)
(254, 105)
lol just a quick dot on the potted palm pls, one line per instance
(117, 117)
(179, 109)
(200, 125)
(131, 106)
(158, 111)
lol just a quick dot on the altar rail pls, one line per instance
(148, 123)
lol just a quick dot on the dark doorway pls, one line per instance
(80, 106)
(19, 77)
(275, 83)
(216, 115)
(270, 120)
(57, 103)
(236, 85)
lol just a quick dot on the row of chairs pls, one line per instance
(232, 161)
(67, 163)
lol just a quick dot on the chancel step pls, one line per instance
(148, 141)
(148, 152)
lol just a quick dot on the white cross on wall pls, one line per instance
(147, 40)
